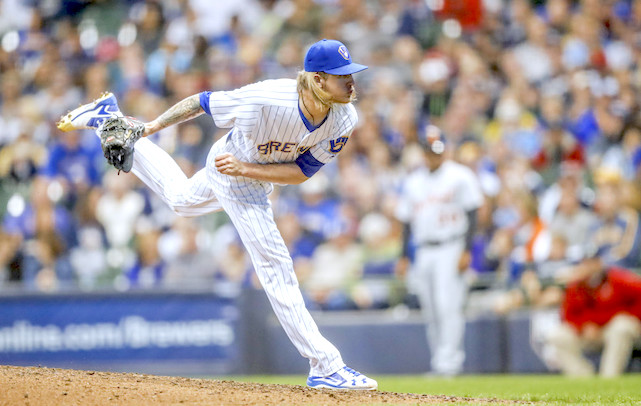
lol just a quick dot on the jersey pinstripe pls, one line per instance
(267, 128)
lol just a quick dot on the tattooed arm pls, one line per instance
(184, 110)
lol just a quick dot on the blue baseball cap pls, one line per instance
(331, 56)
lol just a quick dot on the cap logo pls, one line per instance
(343, 51)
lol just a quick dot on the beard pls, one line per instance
(352, 97)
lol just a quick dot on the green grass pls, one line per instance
(543, 389)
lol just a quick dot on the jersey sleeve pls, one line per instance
(470, 191)
(403, 210)
(327, 149)
(238, 108)
(308, 164)
(628, 288)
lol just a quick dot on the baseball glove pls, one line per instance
(117, 138)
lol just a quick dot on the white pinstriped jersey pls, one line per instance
(268, 128)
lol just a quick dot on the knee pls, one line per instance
(182, 212)
(564, 336)
(182, 206)
(623, 325)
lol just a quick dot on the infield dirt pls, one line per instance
(53, 386)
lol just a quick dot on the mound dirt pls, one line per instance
(53, 386)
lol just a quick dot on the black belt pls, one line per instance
(442, 242)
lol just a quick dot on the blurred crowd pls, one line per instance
(539, 98)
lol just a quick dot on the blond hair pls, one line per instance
(305, 81)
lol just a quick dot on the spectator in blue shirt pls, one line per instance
(74, 161)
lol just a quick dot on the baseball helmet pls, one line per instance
(433, 139)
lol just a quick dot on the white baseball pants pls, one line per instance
(255, 224)
(441, 290)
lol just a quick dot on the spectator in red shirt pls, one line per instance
(601, 310)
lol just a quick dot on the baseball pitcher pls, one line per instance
(281, 131)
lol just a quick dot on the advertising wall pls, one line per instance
(195, 333)
(201, 334)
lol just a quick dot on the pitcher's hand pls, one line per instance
(228, 164)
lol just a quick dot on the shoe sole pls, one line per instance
(321, 386)
(65, 125)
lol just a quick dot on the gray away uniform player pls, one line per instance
(281, 131)
(438, 208)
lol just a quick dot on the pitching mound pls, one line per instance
(53, 386)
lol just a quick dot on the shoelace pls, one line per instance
(351, 371)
